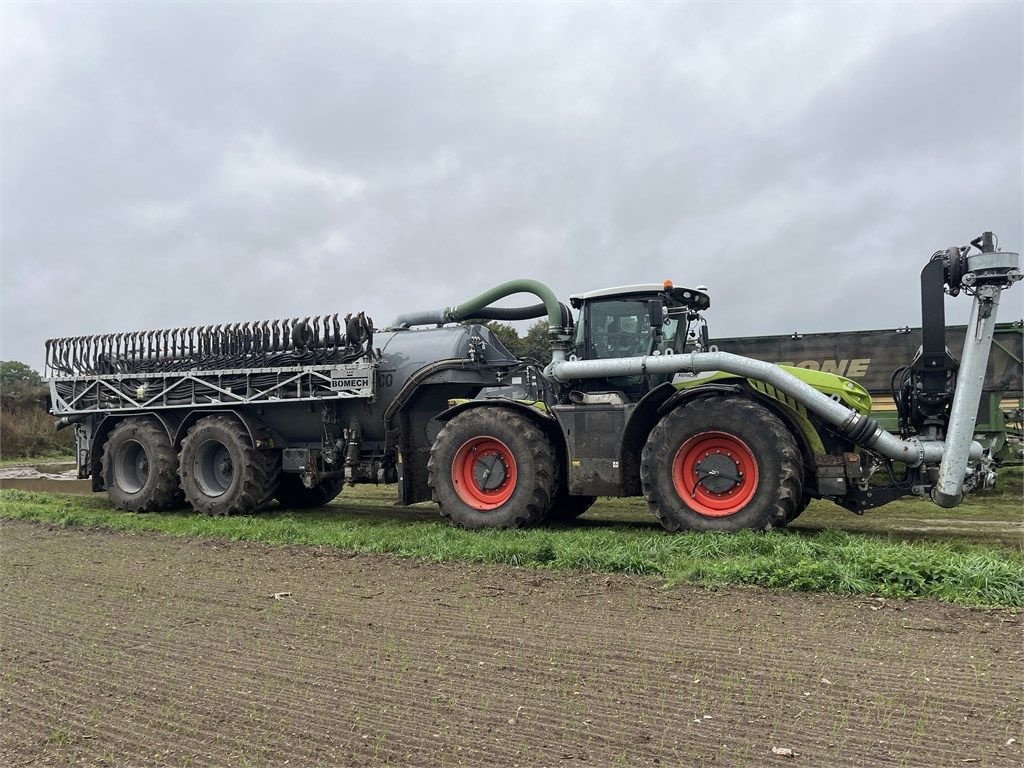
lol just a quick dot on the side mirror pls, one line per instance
(656, 313)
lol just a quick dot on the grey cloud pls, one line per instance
(174, 164)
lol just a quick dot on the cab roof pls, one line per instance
(689, 296)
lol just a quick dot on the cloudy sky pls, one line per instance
(197, 163)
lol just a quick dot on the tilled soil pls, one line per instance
(149, 650)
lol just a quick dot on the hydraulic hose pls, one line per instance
(472, 308)
(519, 313)
(863, 430)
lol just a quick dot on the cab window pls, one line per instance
(618, 328)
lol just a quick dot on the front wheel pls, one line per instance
(722, 464)
(800, 507)
(490, 467)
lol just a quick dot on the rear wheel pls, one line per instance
(294, 495)
(221, 473)
(722, 464)
(140, 467)
(565, 507)
(492, 468)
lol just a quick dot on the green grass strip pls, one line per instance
(835, 562)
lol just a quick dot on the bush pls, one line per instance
(26, 427)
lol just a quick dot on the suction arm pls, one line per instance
(479, 307)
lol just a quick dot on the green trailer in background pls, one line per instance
(872, 357)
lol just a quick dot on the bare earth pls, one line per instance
(151, 650)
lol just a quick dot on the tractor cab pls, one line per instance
(634, 321)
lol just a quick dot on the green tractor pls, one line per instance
(635, 402)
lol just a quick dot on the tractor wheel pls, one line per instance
(294, 495)
(140, 467)
(721, 464)
(221, 473)
(798, 510)
(565, 507)
(492, 468)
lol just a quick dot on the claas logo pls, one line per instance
(855, 368)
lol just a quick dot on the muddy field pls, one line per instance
(150, 650)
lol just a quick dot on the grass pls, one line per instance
(811, 559)
(993, 519)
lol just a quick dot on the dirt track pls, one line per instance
(148, 650)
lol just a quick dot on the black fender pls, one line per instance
(169, 420)
(260, 436)
(544, 419)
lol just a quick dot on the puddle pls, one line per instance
(57, 467)
(40, 471)
(59, 477)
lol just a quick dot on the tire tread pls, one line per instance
(708, 411)
(165, 493)
(262, 471)
(543, 480)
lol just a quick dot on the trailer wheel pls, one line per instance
(722, 464)
(492, 468)
(221, 473)
(140, 467)
(565, 507)
(294, 495)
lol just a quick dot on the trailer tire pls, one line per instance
(292, 494)
(566, 508)
(140, 467)
(222, 473)
(687, 460)
(482, 441)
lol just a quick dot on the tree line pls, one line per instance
(26, 426)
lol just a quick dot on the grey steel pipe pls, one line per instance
(948, 491)
(862, 429)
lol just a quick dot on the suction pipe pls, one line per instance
(469, 309)
(863, 430)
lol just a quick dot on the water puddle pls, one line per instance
(61, 477)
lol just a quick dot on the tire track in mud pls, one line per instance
(379, 661)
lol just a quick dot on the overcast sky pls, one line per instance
(200, 163)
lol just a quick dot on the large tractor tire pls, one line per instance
(221, 473)
(294, 495)
(722, 464)
(800, 508)
(492, 468)
(140, 467)
(566, 508)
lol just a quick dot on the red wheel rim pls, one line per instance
(700, 473)
(484, 473)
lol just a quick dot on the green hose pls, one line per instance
(467, 308)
